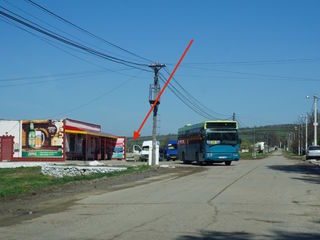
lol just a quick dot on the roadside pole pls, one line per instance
(254, 155)
(299, 140)
(315, 124)
(156, 67)
(306, 147)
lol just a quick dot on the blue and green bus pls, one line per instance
(209, 142)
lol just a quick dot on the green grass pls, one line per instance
(16, 181)
(248, 156)
(292, 155)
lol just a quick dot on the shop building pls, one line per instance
(58, 140)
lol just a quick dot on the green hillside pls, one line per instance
(270, 133)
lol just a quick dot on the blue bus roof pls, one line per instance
(213, 124)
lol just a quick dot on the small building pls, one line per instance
(59, 140)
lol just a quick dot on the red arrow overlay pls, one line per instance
(137, 134)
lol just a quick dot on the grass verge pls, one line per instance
(16, 181)
(292, 155)
(248, 156)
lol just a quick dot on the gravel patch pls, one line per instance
(71, 171)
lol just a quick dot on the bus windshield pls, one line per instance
(229, 138)
(172, 146)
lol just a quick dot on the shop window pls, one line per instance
(72, 143)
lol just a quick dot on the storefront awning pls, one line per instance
(90, 133)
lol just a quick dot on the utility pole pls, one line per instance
(156, 67)
(233, 116)
(254, 141)
(299, 140)
(315, 124)
(306, 147)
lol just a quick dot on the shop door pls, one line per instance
(6, 148)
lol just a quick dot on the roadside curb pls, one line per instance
(314, 162)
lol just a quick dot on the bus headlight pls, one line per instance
(209, 154)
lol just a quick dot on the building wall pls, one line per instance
(13, 128)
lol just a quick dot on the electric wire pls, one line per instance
(257, 74)
(249, 78)
(50, 25)
(187, 101)
(85, 31)
(51, 79)
(201, 105)
(55, 45)
(61, 38)
(254, 62)
(97, 97)
(67, 41)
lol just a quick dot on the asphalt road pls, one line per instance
(274, 198)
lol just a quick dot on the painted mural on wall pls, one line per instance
(42, 138)
(119, 149)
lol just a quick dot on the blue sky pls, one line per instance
(258, 59)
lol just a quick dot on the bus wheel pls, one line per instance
(228, 163)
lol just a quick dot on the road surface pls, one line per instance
(274, 198)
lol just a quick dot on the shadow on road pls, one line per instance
(280, 235)
(312, 173)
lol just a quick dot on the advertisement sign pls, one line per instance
(42, 138)
(119, 149)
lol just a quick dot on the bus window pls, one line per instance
(222, 138)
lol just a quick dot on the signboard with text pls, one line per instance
(42, 138)
(120, 148)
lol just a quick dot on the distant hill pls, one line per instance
(264, 133)
(162, 138)
(270, 133)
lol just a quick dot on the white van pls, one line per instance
(146, 151)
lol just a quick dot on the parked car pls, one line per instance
(313, 152)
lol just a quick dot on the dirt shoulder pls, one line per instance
(59, 198)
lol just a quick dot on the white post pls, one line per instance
(315, 124)
(306, 148)
(299, 146)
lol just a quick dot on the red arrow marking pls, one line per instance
(137, 134)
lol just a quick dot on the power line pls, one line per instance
(187, 101)
(53, 44)
(50, 25)
(67, 41)
(192, 97)
(85, 31)
(59, 75)
(64, 78)
(256, 74)
(97, 97)
(251, 78)
(255, 62)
